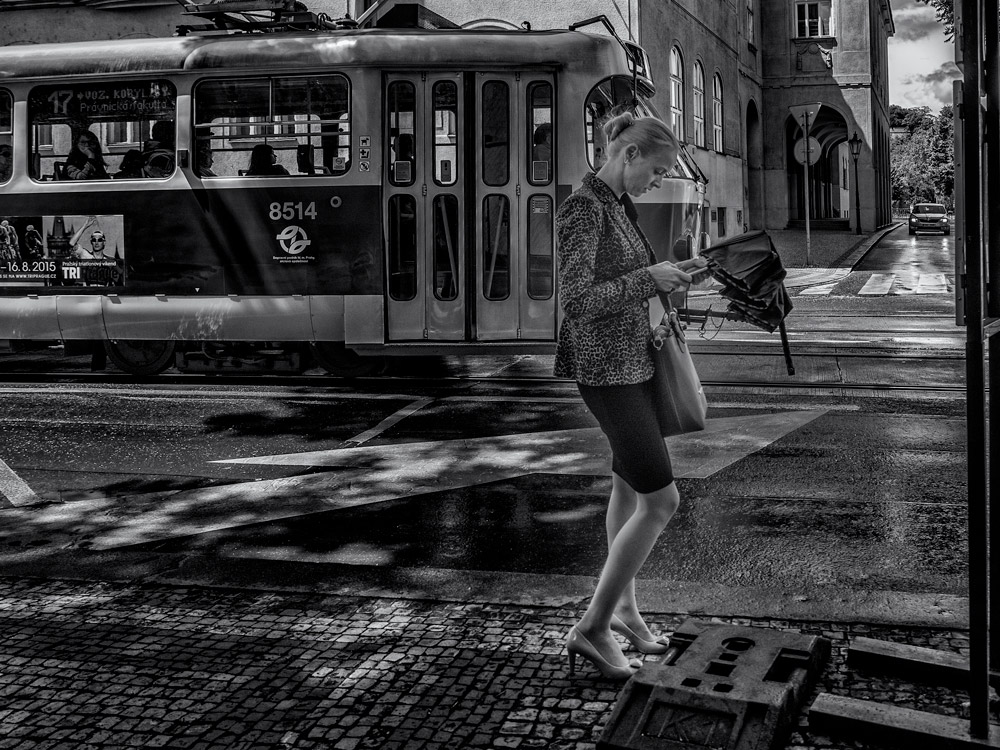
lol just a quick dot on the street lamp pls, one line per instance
(855, 144)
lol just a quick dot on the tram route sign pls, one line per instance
(139, 100)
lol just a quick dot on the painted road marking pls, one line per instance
(818, 291)
(878, 284)
(931, 283)
(14, 489)
(389, 421)
(698, 455)
(799, 277)
(382, 473)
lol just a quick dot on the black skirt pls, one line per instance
(627, 415)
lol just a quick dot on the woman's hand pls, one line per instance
(669, 277)
(697, 267)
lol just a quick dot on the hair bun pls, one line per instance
(614, 127)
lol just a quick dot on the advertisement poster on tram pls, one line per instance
(61, 251)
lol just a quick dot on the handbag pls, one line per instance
(681, 405)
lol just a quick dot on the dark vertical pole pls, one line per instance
(975, 381)
(991, 9)
(857, 194)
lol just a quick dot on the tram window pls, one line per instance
(540, 133)
(496, 133)
(6, 136)
(401, 116)
(402, 265)
(609, 98)
(445, 132)
(446, 247)
(540, 252)
(304, 119)
(496, 247)
(89, 130)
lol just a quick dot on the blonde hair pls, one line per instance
(648, 134)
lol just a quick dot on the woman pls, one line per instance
(86, 161)
(263, 161)
(606, 276)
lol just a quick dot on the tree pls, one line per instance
(945, 10)
(922, 155)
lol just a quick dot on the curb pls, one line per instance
(857, 253)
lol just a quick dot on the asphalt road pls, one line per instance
(839, 489)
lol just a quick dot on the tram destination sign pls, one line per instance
(122, 101)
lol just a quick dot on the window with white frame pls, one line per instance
(717, 112)
(813, 19)
(699, 104)
(677, 93)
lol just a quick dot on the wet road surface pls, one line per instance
(793, 502)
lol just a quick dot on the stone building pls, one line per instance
(727, 71)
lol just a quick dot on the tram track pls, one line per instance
(378, 384)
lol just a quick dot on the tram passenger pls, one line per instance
(131, 165)
(605, 278)
(542, 143)
(5, 161)
(204, 158)
(86, 159)
(264, 162)
(159, 151)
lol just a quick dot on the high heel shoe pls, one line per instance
(578, 645)
(656, 646)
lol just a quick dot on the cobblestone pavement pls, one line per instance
(87, 666)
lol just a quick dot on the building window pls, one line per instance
(751, 26)
(813, 19)
(721, 228)
(717, 113)
(699, 105)
(677, 93)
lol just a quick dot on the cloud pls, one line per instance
(913, 24)
(935, 89)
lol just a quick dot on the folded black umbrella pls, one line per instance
(752, 277)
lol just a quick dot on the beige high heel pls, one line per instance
(578, 645)
(657, 646)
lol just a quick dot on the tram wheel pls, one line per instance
(337, 359)
(141, 357)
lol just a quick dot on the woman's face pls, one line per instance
(643, 173)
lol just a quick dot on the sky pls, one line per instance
(921, 63)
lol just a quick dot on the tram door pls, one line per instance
(424, 205)
(514, 273)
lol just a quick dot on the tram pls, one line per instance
(247, 200)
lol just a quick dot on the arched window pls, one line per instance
(699, 104)
(677, 93)
(717, 113)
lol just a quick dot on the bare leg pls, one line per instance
(628, 550)
(620, 508)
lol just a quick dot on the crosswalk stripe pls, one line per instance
(877, 285)
(820, 290)
(931, 283)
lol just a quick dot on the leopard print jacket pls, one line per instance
(604, 290)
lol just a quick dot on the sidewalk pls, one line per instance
(827, 248)
(100, 665)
